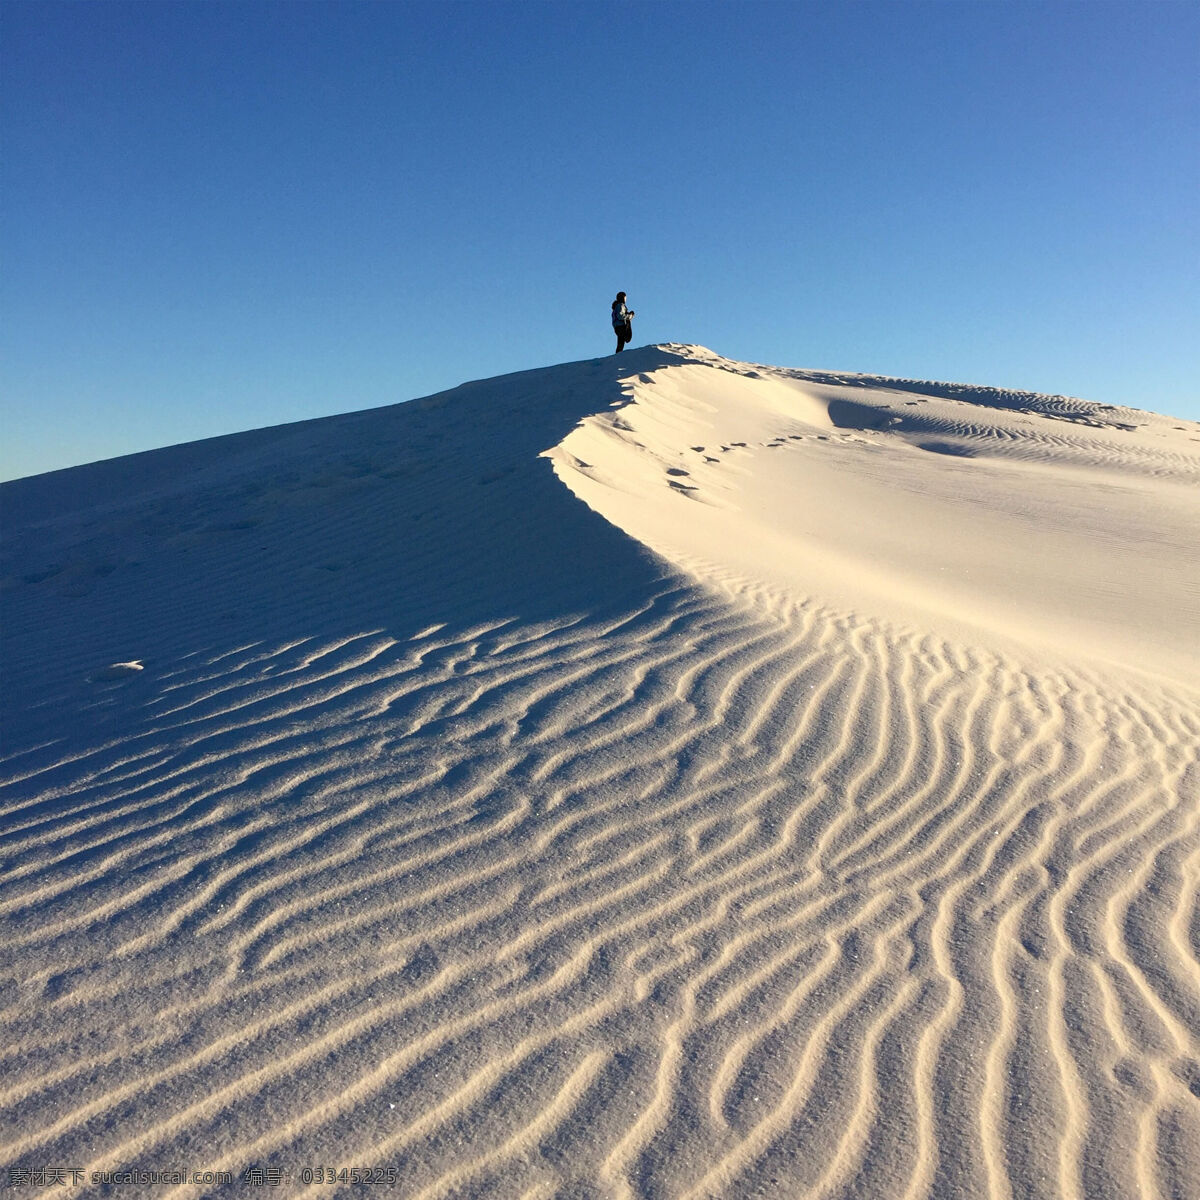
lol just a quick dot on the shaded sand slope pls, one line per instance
(392, 519)
(687, 835)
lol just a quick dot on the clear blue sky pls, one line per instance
(218, 216)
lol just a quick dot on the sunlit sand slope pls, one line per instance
(1040, 521)
(648, 777)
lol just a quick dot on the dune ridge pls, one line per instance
(644, 836)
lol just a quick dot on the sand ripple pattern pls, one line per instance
(693, 900)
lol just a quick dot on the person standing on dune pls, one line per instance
(622, 322)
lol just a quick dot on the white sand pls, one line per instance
(652, 776)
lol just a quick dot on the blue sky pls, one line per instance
(219, 216)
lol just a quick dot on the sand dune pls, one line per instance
(655, 776)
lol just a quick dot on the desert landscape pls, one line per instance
(650, 776)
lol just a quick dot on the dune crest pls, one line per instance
(804, 800)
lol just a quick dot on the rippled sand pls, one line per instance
(647, 777)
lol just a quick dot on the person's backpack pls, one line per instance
(618, 317)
